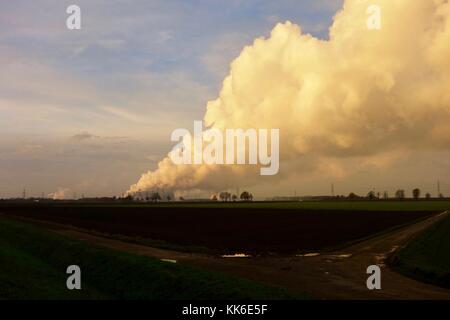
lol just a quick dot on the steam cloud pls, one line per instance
(60, 194)
(362, 93)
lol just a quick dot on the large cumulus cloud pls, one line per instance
(361, 93)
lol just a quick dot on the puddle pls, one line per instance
(236, 255)
(341, 256)
(379, 259)
(394, 248)
(169, 260)
(312, 254)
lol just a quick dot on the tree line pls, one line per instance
(227, 196)
(400, 194)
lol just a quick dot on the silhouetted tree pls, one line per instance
(416, 193)
(428, 195)
(400, 194)
(225, 196)
(385, 195)
(128, 198)
(169, 198)
(245, 196)
(234, 197)
(371, 195)
(353, 196)
(155, 197)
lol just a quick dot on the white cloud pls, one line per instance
(360, 94)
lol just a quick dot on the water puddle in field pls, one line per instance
(394, 248)
(169, 260)
(307, 255)
(379, 260)
(442, 213)
(341, 256)
(337, 257)
(236, 255)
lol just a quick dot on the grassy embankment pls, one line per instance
(427, 258)
(33, 262)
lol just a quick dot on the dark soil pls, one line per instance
(225, 230)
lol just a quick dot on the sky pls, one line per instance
(88, 111)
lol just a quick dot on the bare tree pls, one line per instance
(245, 196)
(371, 195)
(416, 193)
(225, 196)
(400, 194)
(155, 197)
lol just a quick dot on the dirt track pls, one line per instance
(335, 275)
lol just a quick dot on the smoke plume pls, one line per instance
(60, 194)
(361, 93)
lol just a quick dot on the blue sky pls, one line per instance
(134, 72)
